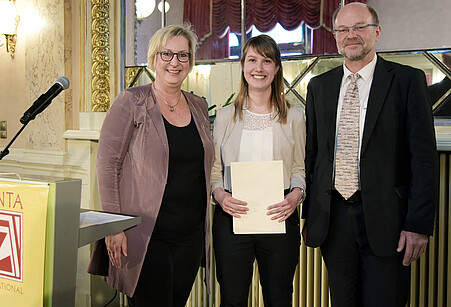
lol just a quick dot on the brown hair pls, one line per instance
(267, 47)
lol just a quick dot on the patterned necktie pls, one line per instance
(346, 159)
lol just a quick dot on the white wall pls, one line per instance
(413, 24)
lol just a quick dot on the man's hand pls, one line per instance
(414, 245)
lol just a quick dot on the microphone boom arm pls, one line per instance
(37, 107)
(5, 151)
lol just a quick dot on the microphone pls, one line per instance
(44, 100)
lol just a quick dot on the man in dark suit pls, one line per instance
(372, 175)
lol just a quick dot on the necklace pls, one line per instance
(171, 107)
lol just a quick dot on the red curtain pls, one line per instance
(323, 38)
(212, 23)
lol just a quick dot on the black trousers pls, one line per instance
(277, 256)
(358, 277)
(169, 269)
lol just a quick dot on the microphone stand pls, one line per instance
(37, 107)
(5, 151)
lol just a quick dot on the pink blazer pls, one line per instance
(132, 168)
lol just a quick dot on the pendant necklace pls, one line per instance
(171, 107)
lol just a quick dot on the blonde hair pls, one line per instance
(163, 35)
(267, 47)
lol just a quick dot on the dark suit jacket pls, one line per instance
(398, 163)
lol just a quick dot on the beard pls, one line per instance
(355, 55)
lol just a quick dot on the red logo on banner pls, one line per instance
(11, 245)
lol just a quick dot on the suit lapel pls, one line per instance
(333, 93)
(379, 88)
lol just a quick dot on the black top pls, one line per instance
(183, 206)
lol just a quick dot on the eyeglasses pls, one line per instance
(167, 56)
(360, 28)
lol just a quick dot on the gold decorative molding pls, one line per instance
(100, 68)
(130, 74)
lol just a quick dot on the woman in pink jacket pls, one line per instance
(154, 160)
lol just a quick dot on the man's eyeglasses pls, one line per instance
(360, 28)
(167, 56)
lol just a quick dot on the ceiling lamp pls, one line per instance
(166, 6)
(144, 8)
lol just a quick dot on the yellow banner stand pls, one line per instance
(39, 225)
(23, 215)
(41, 229)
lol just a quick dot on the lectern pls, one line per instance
(66, 229)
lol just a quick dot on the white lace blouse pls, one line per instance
(257, 137)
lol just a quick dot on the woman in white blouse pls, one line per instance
(259, 126)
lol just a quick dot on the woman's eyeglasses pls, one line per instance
(167, 56)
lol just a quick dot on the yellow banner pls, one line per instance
(23, 212)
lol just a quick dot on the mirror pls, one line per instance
(222, 77)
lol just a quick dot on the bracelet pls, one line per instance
(302, 195)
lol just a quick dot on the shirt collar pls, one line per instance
(366, 73)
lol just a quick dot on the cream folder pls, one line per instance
(260, 184)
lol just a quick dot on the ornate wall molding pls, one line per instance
(100, 68)
(130, 75)
(135, 35)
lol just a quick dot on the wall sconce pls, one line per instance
(144, 8)
(9, 21)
